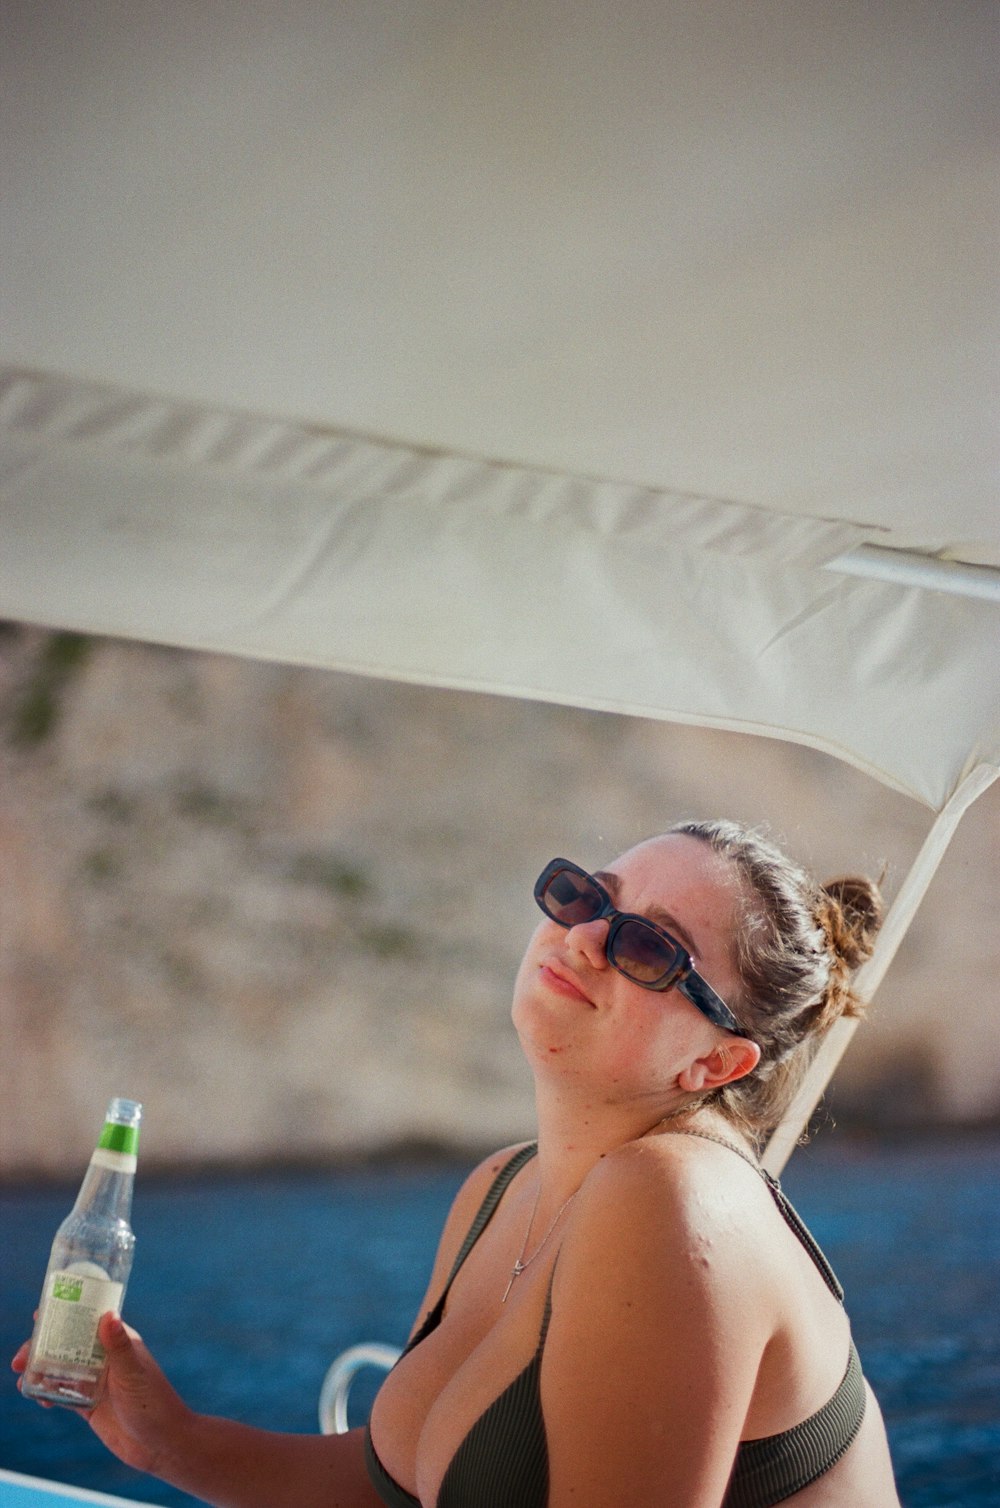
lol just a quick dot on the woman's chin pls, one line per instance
(547, 1030)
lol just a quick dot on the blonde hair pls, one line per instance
(796, 947)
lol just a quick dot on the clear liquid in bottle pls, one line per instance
(88, 1270)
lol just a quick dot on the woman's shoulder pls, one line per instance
(485, 1173)
(667, 1202)
(477, 1184)
(653, 1317)
(674, 1166)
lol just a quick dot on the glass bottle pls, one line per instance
(88, 1269)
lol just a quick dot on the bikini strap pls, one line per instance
(789, 1213)
(547, 1311)
(487, 1209)
(483, 1216)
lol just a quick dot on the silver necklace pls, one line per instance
(522, 1263)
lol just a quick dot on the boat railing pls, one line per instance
(337, 1382)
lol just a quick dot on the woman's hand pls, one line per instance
(138, 1414)
(148, 1426)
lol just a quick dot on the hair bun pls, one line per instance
(850, 913)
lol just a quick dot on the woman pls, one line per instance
(626, 1312)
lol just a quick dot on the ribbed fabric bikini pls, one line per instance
(503, 1460)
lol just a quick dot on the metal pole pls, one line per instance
(902, 911)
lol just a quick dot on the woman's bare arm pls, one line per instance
(144, 1422)
(232, 1465)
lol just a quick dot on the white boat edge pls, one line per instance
(36, 1489)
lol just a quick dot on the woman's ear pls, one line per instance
(728, 1061)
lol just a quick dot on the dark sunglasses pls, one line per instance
(644, 952)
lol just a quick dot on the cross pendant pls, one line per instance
(515, 1272)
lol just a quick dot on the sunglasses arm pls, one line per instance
(701, 994)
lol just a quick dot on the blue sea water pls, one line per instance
(247, 1286)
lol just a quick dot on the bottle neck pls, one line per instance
(107, 1185)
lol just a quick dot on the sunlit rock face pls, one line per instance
(284, 907)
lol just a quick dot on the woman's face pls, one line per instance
(577, 1016)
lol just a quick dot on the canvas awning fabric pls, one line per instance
(638, 357)
(169, 522)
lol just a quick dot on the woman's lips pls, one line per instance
(563, 983)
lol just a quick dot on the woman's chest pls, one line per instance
(439, 1393)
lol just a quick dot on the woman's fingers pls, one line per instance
(20, 1358)
(137, 1412)
(114, 1334)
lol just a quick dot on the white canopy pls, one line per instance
(571, 351)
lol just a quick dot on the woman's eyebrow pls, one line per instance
(655, 913)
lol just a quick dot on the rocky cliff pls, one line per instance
(284, 907)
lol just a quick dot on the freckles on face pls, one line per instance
(647, 1038)
(680, 882)
(549, 1020)
(676, 881)
(531, 963)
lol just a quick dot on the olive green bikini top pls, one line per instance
(503, 1460)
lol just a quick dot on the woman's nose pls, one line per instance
(591, 940)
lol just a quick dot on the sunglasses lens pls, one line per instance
(642, 954)
(571, 898)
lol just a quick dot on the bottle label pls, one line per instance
(67, 1331)
(117, 1162)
